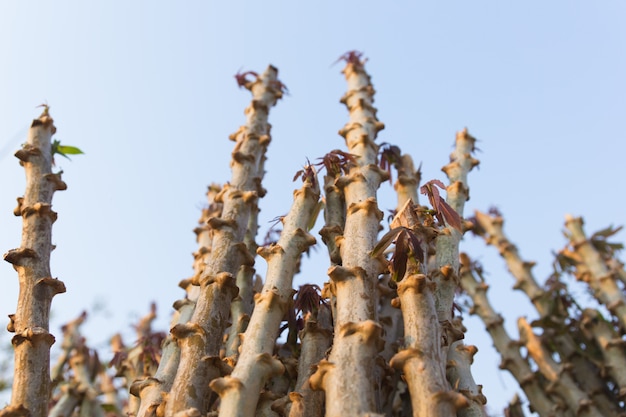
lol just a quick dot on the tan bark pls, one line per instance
(447, 275)
(611, 345)
(585, 373)
(390, 314)
(201, 338)
(459, 375)
(508, 349)
(561, 382)
(151, 389)
(240, 391)
(30, 323)
(334, 218)
(422, 358)
(427, 304)
(447, 242)
(316, 339)
(347, 375)
(599, 278)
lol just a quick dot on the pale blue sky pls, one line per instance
(146, 89)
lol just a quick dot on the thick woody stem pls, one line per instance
(334, 218)
(610, 344)
(347, 376)
(514, 408)
(561, 382)
(239, 392)
(600, 278)
(446, 274)
(447, 242)
(512, 360)
(243, 304)
(459, 374)
(151, 389)
(584, 371)
(201, 338)
(422, 359)
(408, 181)
(406, 187)
(521, 270)
(137, 363)
(71, 339)
(316, 339)
(30, 323)
(72, 391)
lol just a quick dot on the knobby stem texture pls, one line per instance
(348, 376)
(201, 338)
(30, 323)
(512, 359)
(583, 370)
(151, 389)
(240, 391)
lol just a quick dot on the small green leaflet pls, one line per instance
(64, 150)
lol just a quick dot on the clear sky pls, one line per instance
(146, 89)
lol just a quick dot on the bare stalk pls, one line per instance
(316, 339)
(459, 374)
(406, 187)
(599, 277)
(447, 276)
(347, 376)
(201, 338)
(243, 304)
(447, 242)
(610, 344)
(240, 391)
(151, 389)
(30, 323)
(334, 218)
(78, 386)
(561, 382)
(585, 373)
(138, 362)
(508, 349)
(422, 359)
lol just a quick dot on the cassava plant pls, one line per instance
(575, 354)
(30, 323)
(380, 337)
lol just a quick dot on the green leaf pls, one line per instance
(68, 150)
(63, 150)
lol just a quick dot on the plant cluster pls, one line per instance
(381, 337)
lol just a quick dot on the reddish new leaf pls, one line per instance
(451, 216)
(400, 257)
(242, 78)
(416, 247)
(443, 211)
(385, 241)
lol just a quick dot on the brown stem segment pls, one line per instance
(561, 382)
(583, 370)
(512, 359)
(348, 377)
(151, 389)
(201, 338)
(447, 242)
(240, 391)
(30, 323)
(599, 277)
